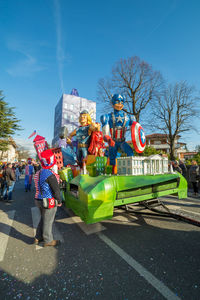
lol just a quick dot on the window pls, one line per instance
(71, 106)
(65, 116)
(65, 105)
(157, 142)
(72, 117)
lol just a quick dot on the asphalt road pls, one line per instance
(128, 257)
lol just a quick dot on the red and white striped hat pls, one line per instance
(48, 159)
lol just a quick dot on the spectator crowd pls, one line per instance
(9, 174)
(191, 173)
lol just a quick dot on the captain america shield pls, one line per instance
(138, 137)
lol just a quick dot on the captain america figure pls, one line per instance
(116, 124)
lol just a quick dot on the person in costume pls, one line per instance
(28, 175)
(83, 134)
(47, 186)
(116, 124)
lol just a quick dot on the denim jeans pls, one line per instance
(7, 193)
(27, 182)
(45, 226)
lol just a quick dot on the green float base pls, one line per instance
(93, 198)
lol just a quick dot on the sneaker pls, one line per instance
(52, 243)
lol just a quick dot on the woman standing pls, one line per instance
(47, 187)
(194, 176)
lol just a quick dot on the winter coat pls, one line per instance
(9, 176)
(194, 173)
(184, 169)
(177, 169)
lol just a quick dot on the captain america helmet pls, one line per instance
(117, 98)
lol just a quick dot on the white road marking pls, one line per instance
(36, 218)
(156, 283)
(86, 228)
(6, 220)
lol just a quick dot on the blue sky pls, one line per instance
(49, 47)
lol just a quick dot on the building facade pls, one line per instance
(67, 113)
(188, 155)
(159, 141)
(11, 155)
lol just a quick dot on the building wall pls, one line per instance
(10, 155)
(67, 113)
(160, 143)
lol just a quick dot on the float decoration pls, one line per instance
(138, 137)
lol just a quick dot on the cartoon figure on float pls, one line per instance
(97, 142)
(28, 175)
(116, 124)
(83, 134)
(67, 153)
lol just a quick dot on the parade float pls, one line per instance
(94, 196)
(96, 184)
(109, 182)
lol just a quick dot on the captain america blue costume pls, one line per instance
(44, 187)
(47, 185)
(116, 124)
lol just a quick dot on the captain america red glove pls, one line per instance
(109, 140)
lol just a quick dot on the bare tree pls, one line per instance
(136, 81)
(23, 153)
(197, 148)
(175, 111)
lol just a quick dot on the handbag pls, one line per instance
(47, 202)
